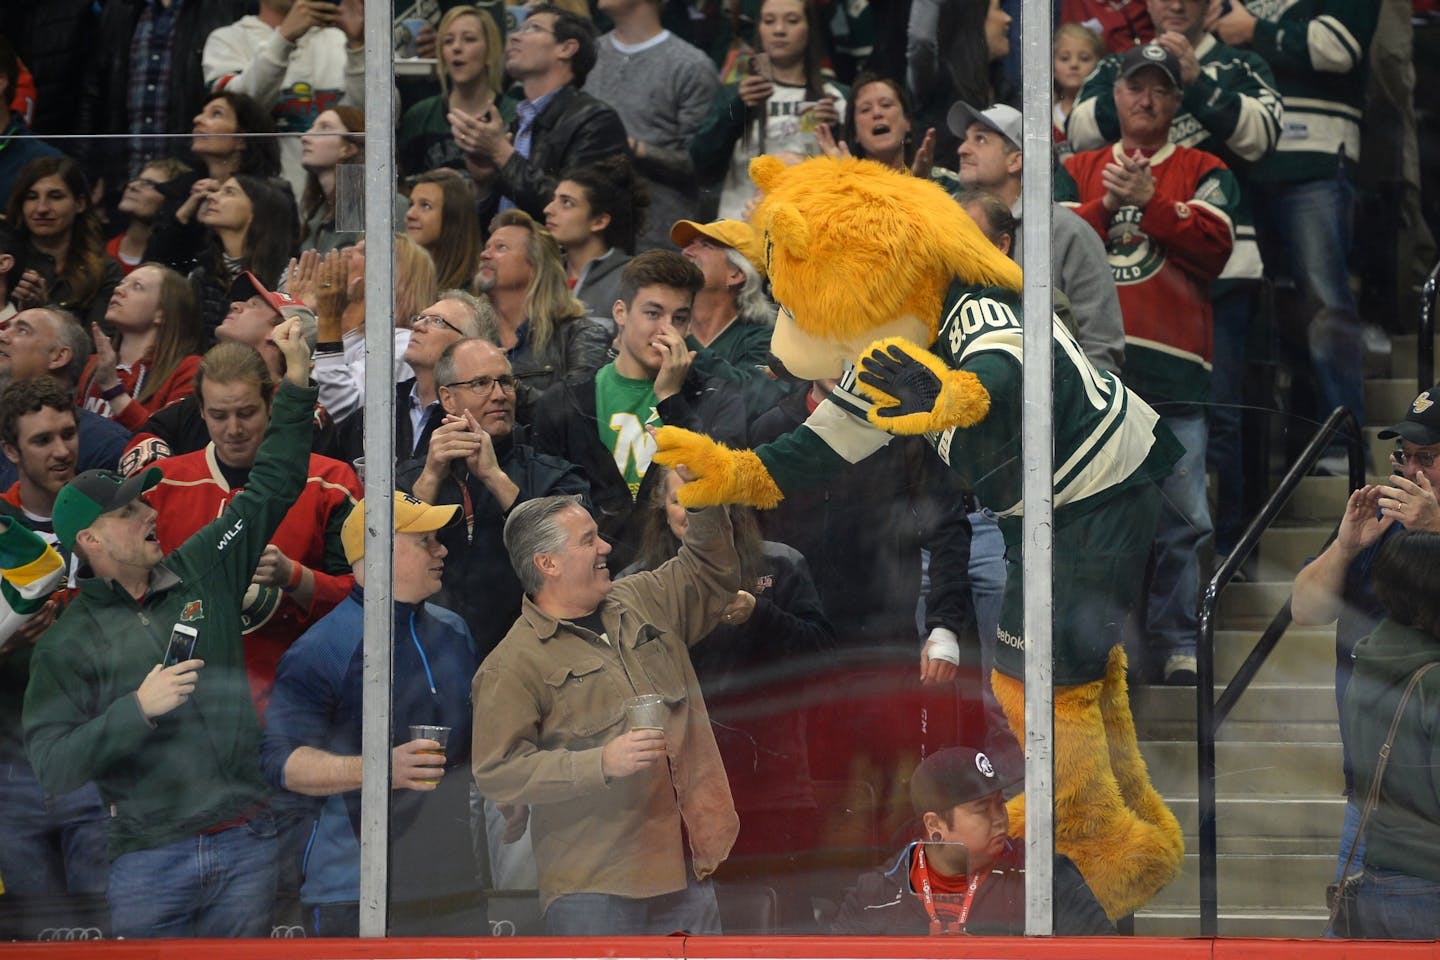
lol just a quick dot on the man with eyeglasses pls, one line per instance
(454, 316)
(1338, 586)
(479, 459)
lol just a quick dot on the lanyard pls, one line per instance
(928, 896)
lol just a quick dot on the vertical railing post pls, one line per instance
(1038, 452)
(379, 466)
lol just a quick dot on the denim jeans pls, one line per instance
(50, 845)
(1305, 230)
(1392, 905)
(1350, 838)
(208, 885)
(1224, 449)
(987, 590)
(1182, 534)
(693, 910)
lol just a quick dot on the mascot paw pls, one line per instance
(721, 475)
(914, 392)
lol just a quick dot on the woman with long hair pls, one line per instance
(775, 108)
(544, 330)
(1398, 897)
(64, 249)
(340, 352)
(337, 136)
(471, 63)
(442, 219)
(151, 359)
(248, 223)
(956, 51)
(217, 149)
(880, 126)
(595, 216)
(752, 669)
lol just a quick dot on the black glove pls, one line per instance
(903, 377)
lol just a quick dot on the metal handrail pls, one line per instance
(1209, 713)
(1425, 347)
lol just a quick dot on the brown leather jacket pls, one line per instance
(552, 694)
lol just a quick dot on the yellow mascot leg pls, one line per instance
(1125, 759)
(1125, 859)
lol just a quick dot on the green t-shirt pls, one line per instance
(623, 409)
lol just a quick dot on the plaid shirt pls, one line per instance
(149, 89)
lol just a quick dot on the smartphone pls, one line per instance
(758, 65)
(182, 644)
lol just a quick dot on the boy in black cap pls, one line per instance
(967, 876)
(173, 747)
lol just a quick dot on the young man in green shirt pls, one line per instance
(602, 424)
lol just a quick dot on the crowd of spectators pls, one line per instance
(183, 258)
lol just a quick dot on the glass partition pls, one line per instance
(524, 690)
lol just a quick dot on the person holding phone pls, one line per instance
(779, 103)
(965, 876)
(174, 750)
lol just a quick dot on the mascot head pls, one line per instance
(857, 252)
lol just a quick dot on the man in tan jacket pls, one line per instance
(611, 807)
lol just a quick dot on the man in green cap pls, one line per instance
(140, 686)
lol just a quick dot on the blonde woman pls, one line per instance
(152, 359)
(340, 321)
(472, 75)
(543, 329)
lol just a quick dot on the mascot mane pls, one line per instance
(851, 245)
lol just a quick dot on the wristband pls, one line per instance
(944, 645)
(296, 575)
(329, 346)
(110, 393)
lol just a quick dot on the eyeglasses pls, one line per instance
(145, 182)
(1424, 459)
(422, 320)
(532, 26)
(483, 385)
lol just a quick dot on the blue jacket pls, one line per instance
(317, 702)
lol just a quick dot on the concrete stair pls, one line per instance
(1278, 762)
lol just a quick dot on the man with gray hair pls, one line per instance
(49, 342)
(478, 458)
(616, 786)
(453, 316)
(732, 318)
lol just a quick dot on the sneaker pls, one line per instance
(1181, 670)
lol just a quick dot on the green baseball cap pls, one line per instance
(81, 501)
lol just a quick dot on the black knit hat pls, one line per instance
(948, 778)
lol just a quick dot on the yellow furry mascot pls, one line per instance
(869, 266)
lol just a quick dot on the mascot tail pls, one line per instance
(1124, 856)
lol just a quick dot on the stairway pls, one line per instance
(1278, 762)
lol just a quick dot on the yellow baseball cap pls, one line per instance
(732, 233)
(411, 516)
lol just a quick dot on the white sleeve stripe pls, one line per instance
(1333, 48)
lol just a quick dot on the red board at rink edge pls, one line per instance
(729, 948)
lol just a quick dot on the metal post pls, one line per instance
(379, 466)
(1036, 435)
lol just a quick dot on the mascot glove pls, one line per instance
(914, 392)
(721, 475)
